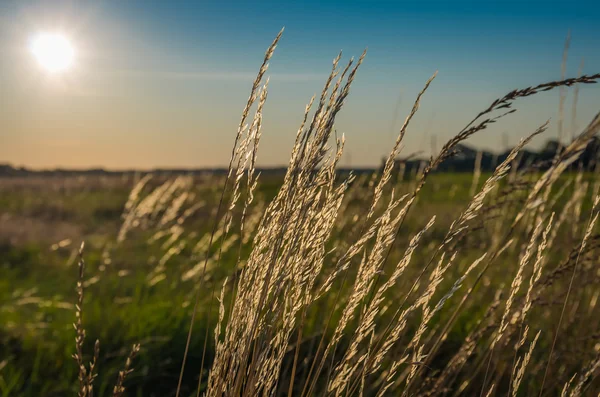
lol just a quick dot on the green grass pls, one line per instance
(37, 289)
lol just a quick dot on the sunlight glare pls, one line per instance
(53, 52)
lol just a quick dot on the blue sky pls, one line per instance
(162, 83)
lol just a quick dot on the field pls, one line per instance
(310, 283)
(139, 290)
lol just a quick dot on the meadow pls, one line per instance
(312, 282)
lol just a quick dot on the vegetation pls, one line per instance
(311, 283)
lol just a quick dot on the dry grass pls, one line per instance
(281, 278)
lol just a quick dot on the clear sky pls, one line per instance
(159, 83)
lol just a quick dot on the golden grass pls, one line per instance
(376, 339)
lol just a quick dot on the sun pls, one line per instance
(53, 51)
